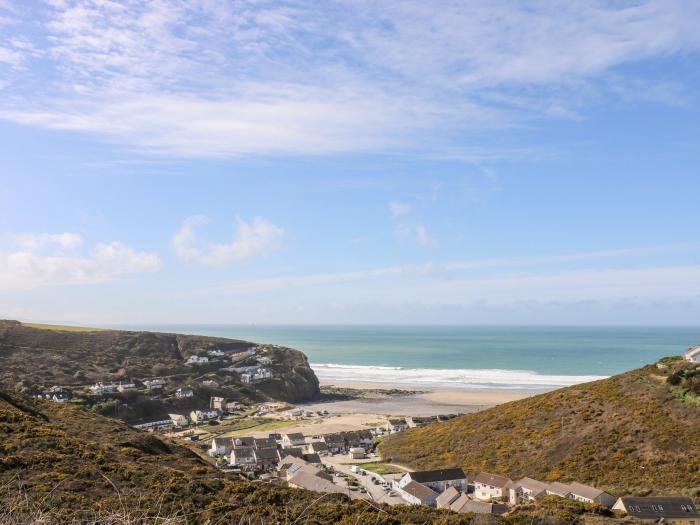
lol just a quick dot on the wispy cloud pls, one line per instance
(398, 209)
(28, 267)
(219, 79)
(251, 239)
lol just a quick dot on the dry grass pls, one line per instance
(63, 328)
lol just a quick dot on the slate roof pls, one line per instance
(446, 474)
(447, 497)
(492, 479)
(660, 507)
(585, 491)
(418, 490)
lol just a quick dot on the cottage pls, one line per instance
(417, 494)
(526, 489)
(491, 486)
(396, 425)
(242, 457)
(586, 494)
(693, 354)
(447, 497)
(318, 447)
(154, 384)
(153, 423)
(438, 480)
(294, 439)
(179, 420)
(201, 416)
(465, 505)
(221, 446)
(103, 388)
(674, 510)
(182, 393)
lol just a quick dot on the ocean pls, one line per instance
(464, 356)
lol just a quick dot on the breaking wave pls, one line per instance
(455, 378)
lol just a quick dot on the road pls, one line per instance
(376, 492)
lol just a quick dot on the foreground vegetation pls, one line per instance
(635, 433)
(65, 465)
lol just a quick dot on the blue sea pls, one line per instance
(464, 356)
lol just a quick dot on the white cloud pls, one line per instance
(252, 239)
(26, 269)
(398, 209)
(416, 232)
(225, 79)
(33, 241)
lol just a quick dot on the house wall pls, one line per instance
(487, 492)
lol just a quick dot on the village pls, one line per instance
(346, 461)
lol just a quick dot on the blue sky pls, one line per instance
(350, 162)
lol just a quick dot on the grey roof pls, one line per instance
(560, 489)
(242, 452)
(585, 491)
(459, 503)
(532, 485)
(419, 490)
(310, 482)
(492, 479)
(312, 458)
(294, 435)
(481, 507)
(320, 445)
(265, 453)
(447, 497)
(660, 507)
(446, 474)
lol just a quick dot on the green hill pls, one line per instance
(61, 463)
(34, 358)
(634, 433)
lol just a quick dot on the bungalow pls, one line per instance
(196, 360)
(586, 494)
(221, 446)
(447, 497)
(153, 423)
(673, 510)
(294, 439)
(182, 393)
(417, 494)
(438, 480)
(242, 457)
(491, 486)
(154, 384)
(103, 388)
(693, 354)
(200, 416)
(396, 425)
(478, 507)
(318, 447)
(179, 420)
(526, 489)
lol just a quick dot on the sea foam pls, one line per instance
(452, 378)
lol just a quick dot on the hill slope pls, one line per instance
(637, 432)
(33, 358)
(60, 462)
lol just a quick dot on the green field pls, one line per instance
(381, 468)
(63, 328)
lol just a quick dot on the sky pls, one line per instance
(350, 162)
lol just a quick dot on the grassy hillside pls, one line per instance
(33, 359)
(63, 327)
(638, 433)
(62, 463)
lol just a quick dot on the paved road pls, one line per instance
(376, 492)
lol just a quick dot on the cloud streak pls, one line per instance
(212, 79)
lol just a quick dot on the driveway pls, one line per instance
(376, 492)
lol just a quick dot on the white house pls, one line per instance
(526, 489)
(209, 383)
(103, 388)
(200, 416)
(179, 420)
(155, 423)
(196, 360)
(256, 376)
(396, 425)
(242, 457)
(438, 480)
(221, 446)
(693, 354)
(60, 397)
(182, 393)
(216, 353)
(586, 494)
(154, 384)
(294, 439)
(123, 387)
(491, 486)
(417, 494)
